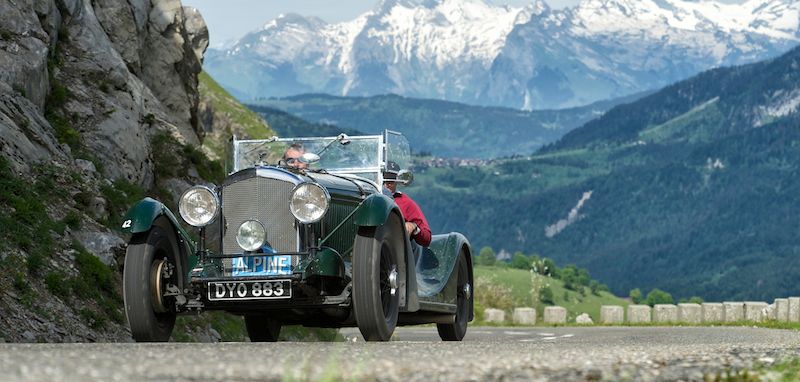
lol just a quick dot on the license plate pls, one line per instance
(261, 266)
(249, 290)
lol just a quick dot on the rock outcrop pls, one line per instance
(84, 87)
(98, 76)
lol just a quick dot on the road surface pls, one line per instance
(417, 354)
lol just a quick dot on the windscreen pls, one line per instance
(353, 155)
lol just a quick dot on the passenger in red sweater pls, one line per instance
(416, 225)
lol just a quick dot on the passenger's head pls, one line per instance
(292, 156)
(390, 176)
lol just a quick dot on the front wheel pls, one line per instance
(262, 328)
(376, 292)
(457, 330)
(149, 270)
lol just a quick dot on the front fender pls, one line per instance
(374, 211)
(140, 219)
(141, 216)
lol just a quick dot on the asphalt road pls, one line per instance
(416, 354)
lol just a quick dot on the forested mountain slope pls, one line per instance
(692, 189)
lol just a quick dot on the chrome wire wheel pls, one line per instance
(458, 329)
(376, 279)
(149, 264)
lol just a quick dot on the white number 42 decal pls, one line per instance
(127, 223)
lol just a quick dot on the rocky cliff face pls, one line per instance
(86, 87)
(98, 77)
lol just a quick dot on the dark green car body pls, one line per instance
(321, 253)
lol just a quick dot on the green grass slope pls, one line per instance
(228, 117)
(506, 288)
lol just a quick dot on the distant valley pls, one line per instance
(444, 129)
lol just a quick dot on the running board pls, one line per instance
(425, 318)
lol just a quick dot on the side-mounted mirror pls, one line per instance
(309, 158)
(343, 139)
(405, 177)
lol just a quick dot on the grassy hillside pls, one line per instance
(288, 125)
(447, 129)
(228, 117)
(523, 285)
(691, 190)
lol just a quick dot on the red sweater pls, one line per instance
(412, 213)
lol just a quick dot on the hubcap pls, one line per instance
(393, 281)
(160, 274)
(156, 284)
(467, 291)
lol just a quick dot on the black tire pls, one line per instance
(262, 328)
(146, 251)
(376, 255)
(457, 330)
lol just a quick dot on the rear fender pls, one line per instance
(140, 218)
(447, 247)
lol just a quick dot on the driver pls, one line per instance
(292, 156)
(416, 225)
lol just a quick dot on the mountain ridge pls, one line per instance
(448, 129)
(531, 57)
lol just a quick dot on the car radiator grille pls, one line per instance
(342, 240)
(265, 200)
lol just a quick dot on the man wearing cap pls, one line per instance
(416, 225)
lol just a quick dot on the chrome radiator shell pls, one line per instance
(263, 199)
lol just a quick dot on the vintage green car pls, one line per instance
(310, 240)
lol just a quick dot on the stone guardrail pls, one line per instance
(782, 310)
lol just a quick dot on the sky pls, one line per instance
(231, 19)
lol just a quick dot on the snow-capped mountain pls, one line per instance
(533, 57)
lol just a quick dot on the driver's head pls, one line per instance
(292, 155)
(390, 176)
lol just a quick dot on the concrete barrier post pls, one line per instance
(690, 313)
(665, 313)
(555, 315)
(638, 314)
(794, 309)
(734, 311)
(782, 309)
(611, 314)
(494, 315)
(524, 316)
(713, 312)
(755, 311)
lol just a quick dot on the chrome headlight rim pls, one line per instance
(324, 209)
(262, 239)
(214, 200)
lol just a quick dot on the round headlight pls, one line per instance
(251, 235)
(198, 206)
(309, 202)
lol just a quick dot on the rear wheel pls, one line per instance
(457, 330)
(262, 328)
(376, 293)
(149, 269)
